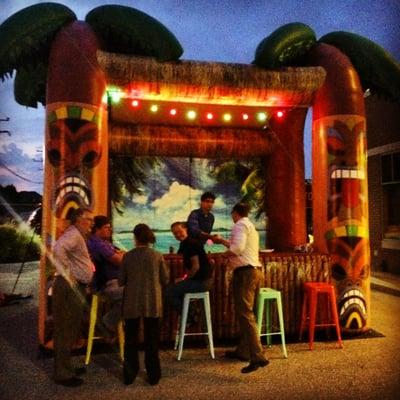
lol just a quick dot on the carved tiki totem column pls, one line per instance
(340, 189)
(76, 143)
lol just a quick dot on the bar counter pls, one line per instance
(285, 272)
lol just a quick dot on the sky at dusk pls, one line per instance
(209, 30)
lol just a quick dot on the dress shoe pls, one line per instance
(235, 356)
(253, 366)
(70, 382)
(129, 374)
(80, 371)
(153, 381)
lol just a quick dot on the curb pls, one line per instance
(385, 289)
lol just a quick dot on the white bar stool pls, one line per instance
(181, 332)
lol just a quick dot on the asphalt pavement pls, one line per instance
(366, 368)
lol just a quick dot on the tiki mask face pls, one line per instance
(73, 149)
(350, 270)
(347, 237)
(346, 170)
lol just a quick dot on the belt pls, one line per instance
(246, 268)
(79, 284)
(83, 285)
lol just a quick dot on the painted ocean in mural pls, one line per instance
(171, 189)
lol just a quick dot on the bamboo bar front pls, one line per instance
(285, 272)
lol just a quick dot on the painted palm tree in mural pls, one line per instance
(27, 37)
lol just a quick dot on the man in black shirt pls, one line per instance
(197, 268)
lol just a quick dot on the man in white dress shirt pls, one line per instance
(242, 252)
(74, 272)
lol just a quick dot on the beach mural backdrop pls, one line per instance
(172, 189)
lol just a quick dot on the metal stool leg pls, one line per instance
(121, 339)
(182, 327)
(313, 300)
(304, 315)
(177, 333)
(268, 321)
(92, 325)
(207, 309)
(281, 323)
(260, 313)
(332, 300)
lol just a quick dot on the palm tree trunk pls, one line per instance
(76, 156)
(340, 190)
(285, 184)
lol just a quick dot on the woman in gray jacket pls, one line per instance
(143, 274)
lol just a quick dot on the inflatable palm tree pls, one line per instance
(340, 192)
(54, 57)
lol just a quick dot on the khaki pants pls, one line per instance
(246, 285)
(69, 305)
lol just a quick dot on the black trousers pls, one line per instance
(151, 342)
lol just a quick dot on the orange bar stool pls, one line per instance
(312, 291)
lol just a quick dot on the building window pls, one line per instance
(390, 168)
(390, 164)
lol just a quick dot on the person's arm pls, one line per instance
(116, 258)
(220, 240)
(194, 266)
(61, 258)
(194, 227)
(164, 272)
(122, 273)
(237, 242)
(238, 239)
(105, 250)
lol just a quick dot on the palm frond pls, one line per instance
(26, 36)
(30, 85)
(126, 30)
(284, 46)
(377, 69)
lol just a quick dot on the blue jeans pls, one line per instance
(176, 292)
(113, 292)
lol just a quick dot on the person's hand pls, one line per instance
(217, 239)
(182, 278)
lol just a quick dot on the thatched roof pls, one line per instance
(178, 141)
(206, 82)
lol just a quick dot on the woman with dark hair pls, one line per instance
(143, 275)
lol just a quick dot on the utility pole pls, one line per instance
(5, 131)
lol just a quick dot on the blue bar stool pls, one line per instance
(267, 295)
(181, 332)
(96, 299)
